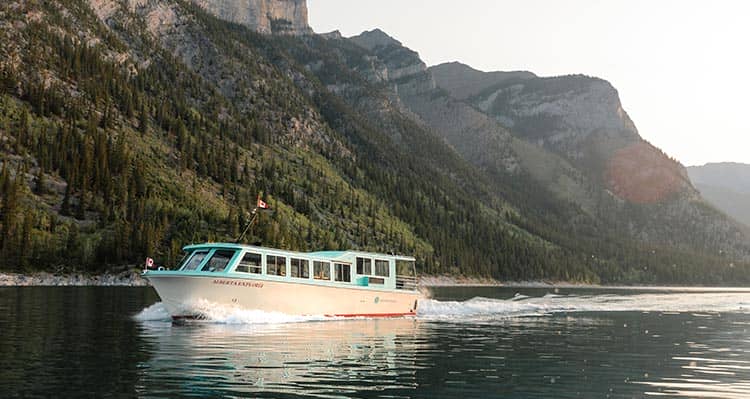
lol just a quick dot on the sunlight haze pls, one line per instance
(680, 68)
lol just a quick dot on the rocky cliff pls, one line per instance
(566, 139)
(577, 117)
(264, 16)
(390, 61)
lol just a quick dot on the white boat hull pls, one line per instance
(180, 294)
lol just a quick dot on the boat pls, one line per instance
(327, 283)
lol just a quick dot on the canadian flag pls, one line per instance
(262, 204)
(149, 263)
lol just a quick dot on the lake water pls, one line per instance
(466, 342)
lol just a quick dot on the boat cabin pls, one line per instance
(353, 268)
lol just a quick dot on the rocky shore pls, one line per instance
(455, 281)
(134, 279)
(449, 281)
(125, 278)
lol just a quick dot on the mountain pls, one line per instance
(263, 16)
(130, 128)
(568, 140)
(731, 175)
(581, 119)
(157, 124)
(570, 134)
(725, 185)
(463, 81)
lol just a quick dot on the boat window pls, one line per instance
(364, 266)
(321, 270)
(376, 280)
(300, 268)
(405, 268)
(218, 261)
(406, 275)
(250, 263)
(343, 272)
(184, 260)
(382, 268)
(195, 260)
(275, 265)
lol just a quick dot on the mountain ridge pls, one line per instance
(159, 123)
(726, 185)
(463, 81)
(602, 153)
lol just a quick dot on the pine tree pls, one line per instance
(143, 121)
(25, 249)
(65, 207)
(41, 182)
(81, 209)
(72, 243)
(10, 192)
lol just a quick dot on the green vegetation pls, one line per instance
(105, 161)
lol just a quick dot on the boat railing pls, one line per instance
(406, 283)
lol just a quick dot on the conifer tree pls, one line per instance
(25, 249)
(65, 207)
(143, 121)
(40, 187)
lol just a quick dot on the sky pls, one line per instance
(682, 68)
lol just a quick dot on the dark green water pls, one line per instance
(99, 342)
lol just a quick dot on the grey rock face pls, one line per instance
(392, 62)
(561, 112)
(374, 38)
(264, 16)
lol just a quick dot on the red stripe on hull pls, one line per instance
(194, 317)
(375, 315)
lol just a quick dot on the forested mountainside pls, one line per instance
(725, 185)
(131, 128)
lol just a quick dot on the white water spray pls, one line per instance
(482, 309)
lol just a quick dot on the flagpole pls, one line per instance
(255, 214)
(258, 204)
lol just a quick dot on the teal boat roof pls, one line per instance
(327, 254)
(330, 255)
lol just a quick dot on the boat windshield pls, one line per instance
(194, 260)
(184, 260)
(218, 261)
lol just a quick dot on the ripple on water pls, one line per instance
(574, 345)
(76, 341)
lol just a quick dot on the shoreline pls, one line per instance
(462, 281)
(132, 278)
(128, 278)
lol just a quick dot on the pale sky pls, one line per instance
(682, 68)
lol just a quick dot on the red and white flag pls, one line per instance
(149, 263)
(261, 204)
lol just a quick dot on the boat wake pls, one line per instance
(484, 309)
(155, 312)
(213, 313)
(480, 308)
